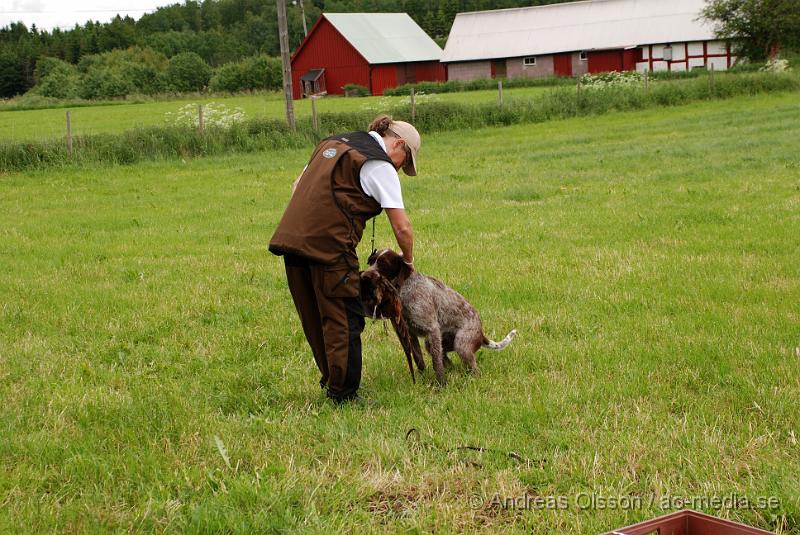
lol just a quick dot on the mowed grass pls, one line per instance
(51, 123)
(649, 261)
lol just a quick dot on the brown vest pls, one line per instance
(328, 211)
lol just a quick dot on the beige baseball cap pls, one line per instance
(409, 134)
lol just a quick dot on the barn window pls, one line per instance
(530, 60)
(583, 56)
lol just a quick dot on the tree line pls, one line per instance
(227, 44)
(230, 33)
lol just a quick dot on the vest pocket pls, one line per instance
(341, 282)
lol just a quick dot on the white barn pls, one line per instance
(588, 36)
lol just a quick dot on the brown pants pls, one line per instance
(328, 302)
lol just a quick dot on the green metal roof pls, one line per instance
(386, 37)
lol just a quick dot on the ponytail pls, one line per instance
(380, 124)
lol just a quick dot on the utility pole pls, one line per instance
(283, 34)
(303, 16)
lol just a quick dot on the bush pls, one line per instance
(262, 72)
(118, 58)
(145, 79)
(103, 83)
(108, 75)
(187, 72)
(142, 69)
(259, 72)
(59, 84)
(55, 78)
(227, 78)
(46, 66)
(355, 90)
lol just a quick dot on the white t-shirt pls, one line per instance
(379, 180)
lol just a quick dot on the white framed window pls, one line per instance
(583, 56)
(530, 60)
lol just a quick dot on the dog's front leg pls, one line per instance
(445, 359)
(417, 352)
(434, 346)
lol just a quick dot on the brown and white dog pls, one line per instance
(392, 288)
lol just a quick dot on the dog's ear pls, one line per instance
(400, 270)
(404, 272)
(392, 266)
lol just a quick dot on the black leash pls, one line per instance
(373, 236)
(510, 454)
(385, 330)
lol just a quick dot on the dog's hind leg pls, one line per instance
(448, 345)
(466, 345)
(417, 352)
(433, 343)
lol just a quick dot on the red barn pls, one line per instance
(375, 50)
(573, 38)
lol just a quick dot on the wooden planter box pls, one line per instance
(688, 523)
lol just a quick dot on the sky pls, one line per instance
(48, 14)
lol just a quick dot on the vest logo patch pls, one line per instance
(329, 153)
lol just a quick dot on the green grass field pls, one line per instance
(49, 123)
(649, 261)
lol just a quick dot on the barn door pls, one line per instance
(406, 74)
(411, 73)
(605, 60)
(499, 68)
(562, 64)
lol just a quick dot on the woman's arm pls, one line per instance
(402, 232)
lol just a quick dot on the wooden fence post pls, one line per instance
(283, 37)
(711, 79)
(314, 112)
(647, 81)
(500, 91)
(69, 135)
(413, 106)
(201, 124)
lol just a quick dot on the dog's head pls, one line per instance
(379, 296)
(391, 265)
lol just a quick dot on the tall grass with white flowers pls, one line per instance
(231, 132)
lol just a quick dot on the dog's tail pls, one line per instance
(502, 343)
